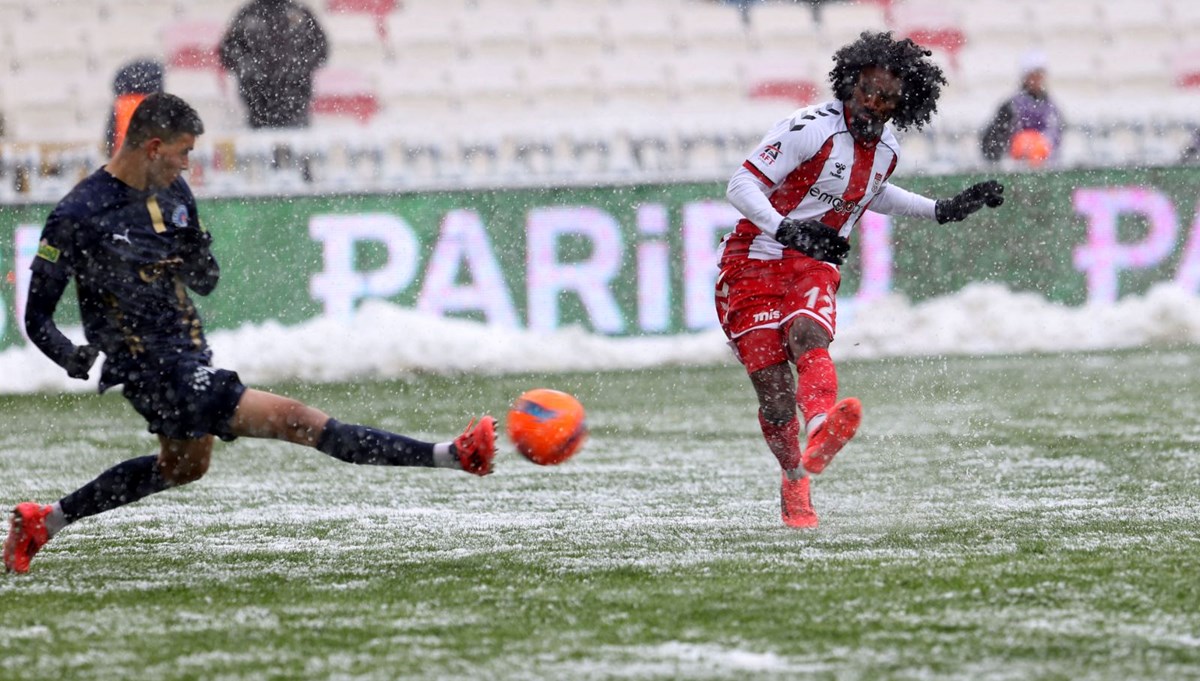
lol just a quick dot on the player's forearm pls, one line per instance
(893, 200)
(44, 294)
(746, 194)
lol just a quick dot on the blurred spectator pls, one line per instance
(1028, 126)
(133, 82)
(273, 47)
(1191, 153)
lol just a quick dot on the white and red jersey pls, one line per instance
(809, 167)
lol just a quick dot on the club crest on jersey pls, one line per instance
(770, 153)
(179, 216)
(838, 169)
(878, 180)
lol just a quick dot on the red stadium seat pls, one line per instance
(1187, 69)
(344, 92)
(379, 9)
(796, 91)
(193, 44)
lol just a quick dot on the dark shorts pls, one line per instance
(187, 402)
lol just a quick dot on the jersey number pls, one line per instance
(813, 296)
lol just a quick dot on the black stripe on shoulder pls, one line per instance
(833, 109)
(809, 117)
(797, 127)
(822, 113)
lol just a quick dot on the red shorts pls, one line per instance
(757, 301)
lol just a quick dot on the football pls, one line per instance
(547, 426)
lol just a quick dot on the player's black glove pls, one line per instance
(971, 199)
(190, 243)
(814, 239)
(80, 361)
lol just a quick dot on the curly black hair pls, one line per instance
(921, 78)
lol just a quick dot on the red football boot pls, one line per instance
(797, 510)
(829, 438)
(26, 535)
(476, 447)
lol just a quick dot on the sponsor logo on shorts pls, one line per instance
(760, 317)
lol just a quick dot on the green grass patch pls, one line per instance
(997, 518)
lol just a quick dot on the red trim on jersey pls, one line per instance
(888, 174)
(795, 186)
(790, 193)
(856, 188)
(757, 173)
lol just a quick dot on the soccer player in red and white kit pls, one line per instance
(801, 191)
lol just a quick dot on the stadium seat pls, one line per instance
(193, 44)
(495, 33)
(1134, 69)
(635, 80)
(562, 30)
(49, 46)
(706, 80)
(211, 10)
(1147, 22)
(932, 25)
(355, 38)
(213, 96)
(783, 26)
(490, 87)
(711, 28)
(1066, 21)
(999, 25)
(792, 77)
(423, 31)
(343, 94)
(650, 29)
(561, 86)
(412, 90)
(39, 113)
(116, 41)
(842, 22)
(1185, 66)
(986, 70)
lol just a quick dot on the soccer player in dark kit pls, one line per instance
(130, 237)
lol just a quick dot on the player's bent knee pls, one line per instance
(805, 335)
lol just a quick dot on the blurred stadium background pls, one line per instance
(427, 94)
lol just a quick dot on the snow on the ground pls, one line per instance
(385, 341)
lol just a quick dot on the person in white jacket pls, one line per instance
(801, 192)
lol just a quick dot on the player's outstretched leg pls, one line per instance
(472, 451)
(27, 534)
(796, 505)
(832, 434)
(476, 447)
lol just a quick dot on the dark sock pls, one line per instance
(122, 484)
(363, 445)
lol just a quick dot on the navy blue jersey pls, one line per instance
(119, 244)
